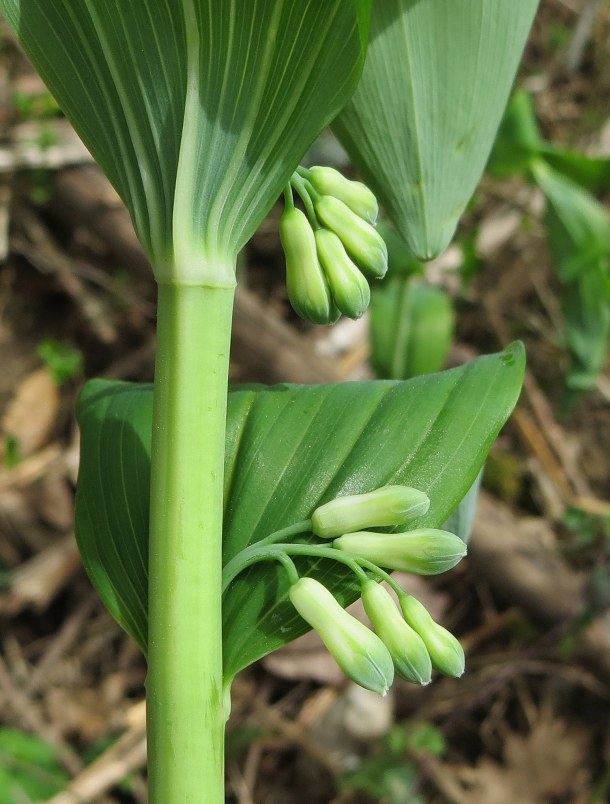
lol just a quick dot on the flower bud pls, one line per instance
(348, 287)
(354, 194)
(364, 245)
(306, 284)
(357, 650)
(387, 506)
(407, 649)
(445, 651)
(424, 551)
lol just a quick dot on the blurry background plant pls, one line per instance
(577, 229)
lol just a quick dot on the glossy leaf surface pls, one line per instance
(289, 448)
(197, 110)
(424, 117)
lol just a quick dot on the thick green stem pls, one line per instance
(186, 710)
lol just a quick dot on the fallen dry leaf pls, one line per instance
(548, 764)
(31, 414)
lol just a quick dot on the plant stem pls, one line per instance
(186, 710)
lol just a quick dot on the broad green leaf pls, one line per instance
(578, 230)
(422, 122)
(197, 110)
(288, 449)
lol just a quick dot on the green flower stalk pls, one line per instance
(424, 551)
(306, 284)
(445, 650)
(354, 194)
(364, 245)
(357, 650)
(349, 288)
(388, 506)
(407, 648)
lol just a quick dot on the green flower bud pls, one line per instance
(354, 194)
(364, 245)
(348, 287)
(407, 649)
(387, 506)
(445, 651)
(423, 552)
(306, 284)
(357, 650)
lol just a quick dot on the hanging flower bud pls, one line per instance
(424, 551)
(364, 245)
(307, 288)
(445, 651)
(357, 196)
(385, 507)
(407, 649)
(357, 650)
(348, 287)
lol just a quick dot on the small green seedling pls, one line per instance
(63, 361)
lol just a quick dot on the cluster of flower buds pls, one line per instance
(422, 551)
(332, 248)
(407, 640)
(361, 654)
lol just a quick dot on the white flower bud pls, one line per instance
(424, 551)
(445, 651)
(407, 649)
(357, 650)
(385, 507)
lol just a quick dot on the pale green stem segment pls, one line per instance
(186, 708)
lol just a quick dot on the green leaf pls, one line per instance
(197, 110)
(578, 225)
(288, 449)
(518, 138)
(590, 172)
(586, 311)
(519, 142)
(424, 117)
(29, 768)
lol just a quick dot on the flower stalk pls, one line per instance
(186, 708)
